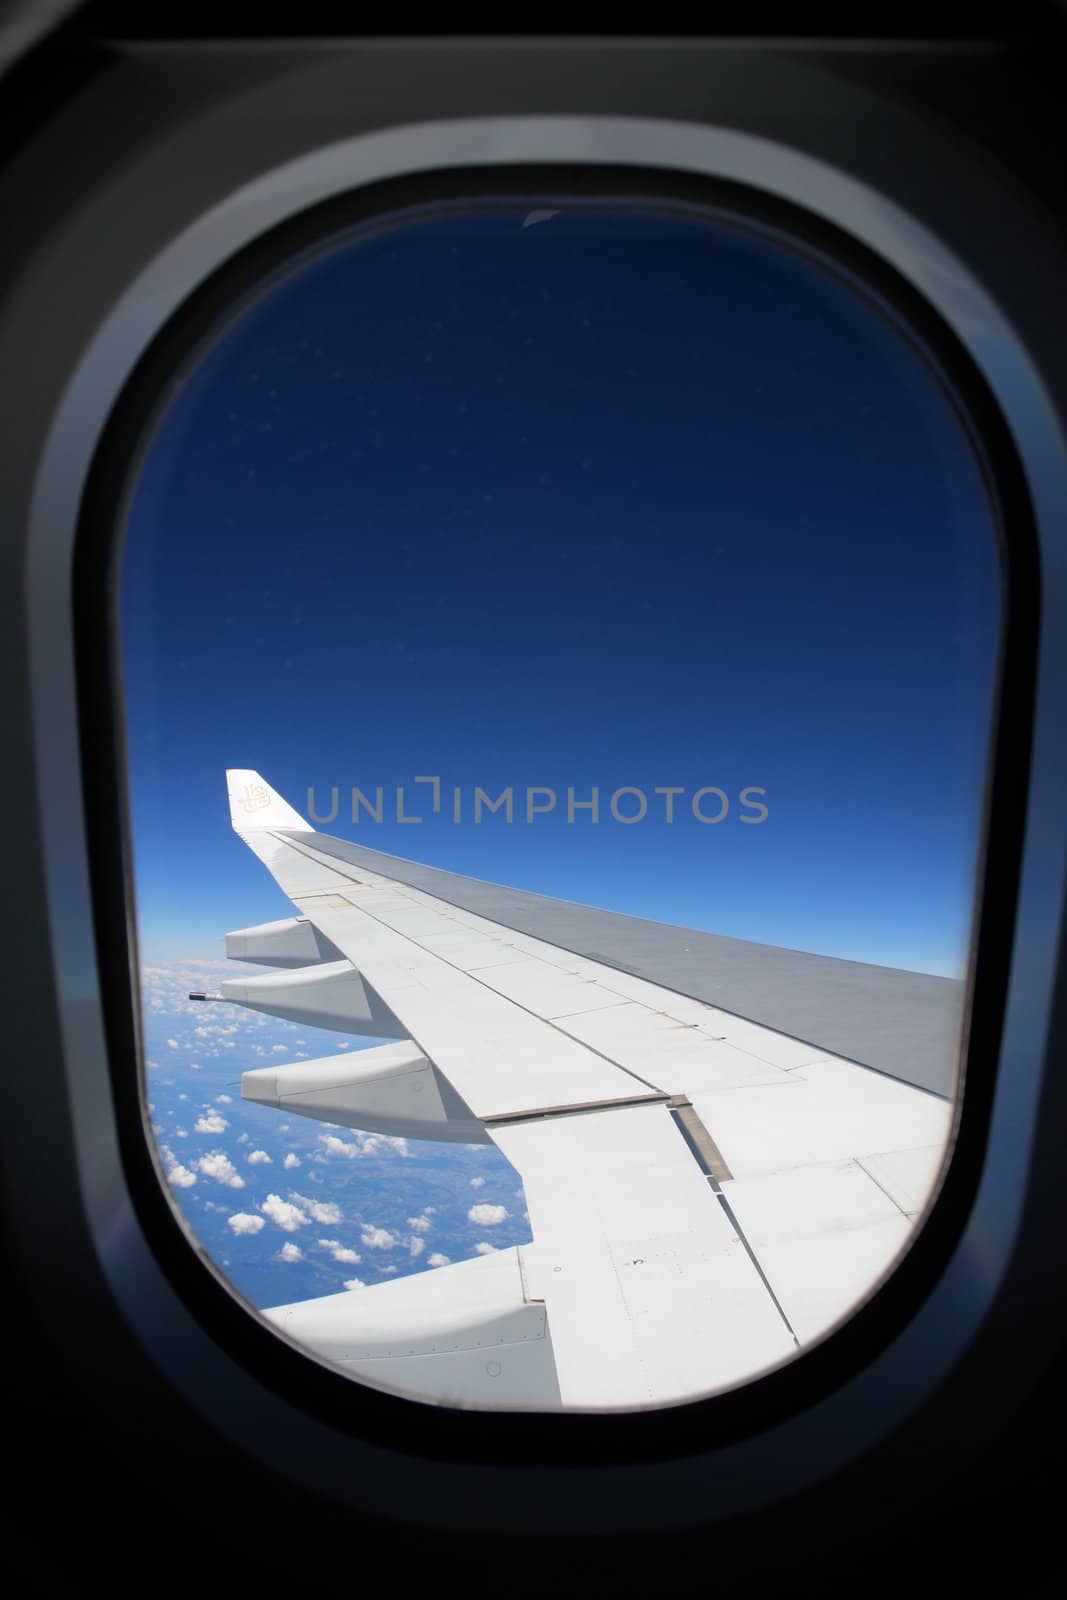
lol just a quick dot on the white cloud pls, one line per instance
(354, 1283)
(339, 1251)
(211, 1122)
(224, 1099)
(437, 1260)
(291, 1161)
(218, 1165)
(485, 1249)
(377, 1238)
(288, 1217)
(280, 1049)
(244, 1222)
(318, 1210)
(417, 1246)
(339, 1147)
(181, 1177)
(487, 1216)
(476, 1183)
(364, 1144)
(420, 1224)
(173, 1044)
(257, 1158)
(290, 1252)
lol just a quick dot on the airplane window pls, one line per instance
(559, 643)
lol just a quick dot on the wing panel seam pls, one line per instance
(472, 975)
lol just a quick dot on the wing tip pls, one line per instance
(254, 804)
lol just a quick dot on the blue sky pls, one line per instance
(610, 500)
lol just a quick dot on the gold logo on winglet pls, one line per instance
(254, 797)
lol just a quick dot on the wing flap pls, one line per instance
(651, 1293)
(464, 1334)
(824, 1236)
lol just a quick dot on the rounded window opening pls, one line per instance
(587, 614)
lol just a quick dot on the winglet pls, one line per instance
(254, 804)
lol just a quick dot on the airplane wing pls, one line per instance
(705, 1193)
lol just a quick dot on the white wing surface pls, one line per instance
(704, 1193)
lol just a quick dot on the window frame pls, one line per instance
(123, 329)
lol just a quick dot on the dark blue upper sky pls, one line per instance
(609, 500)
